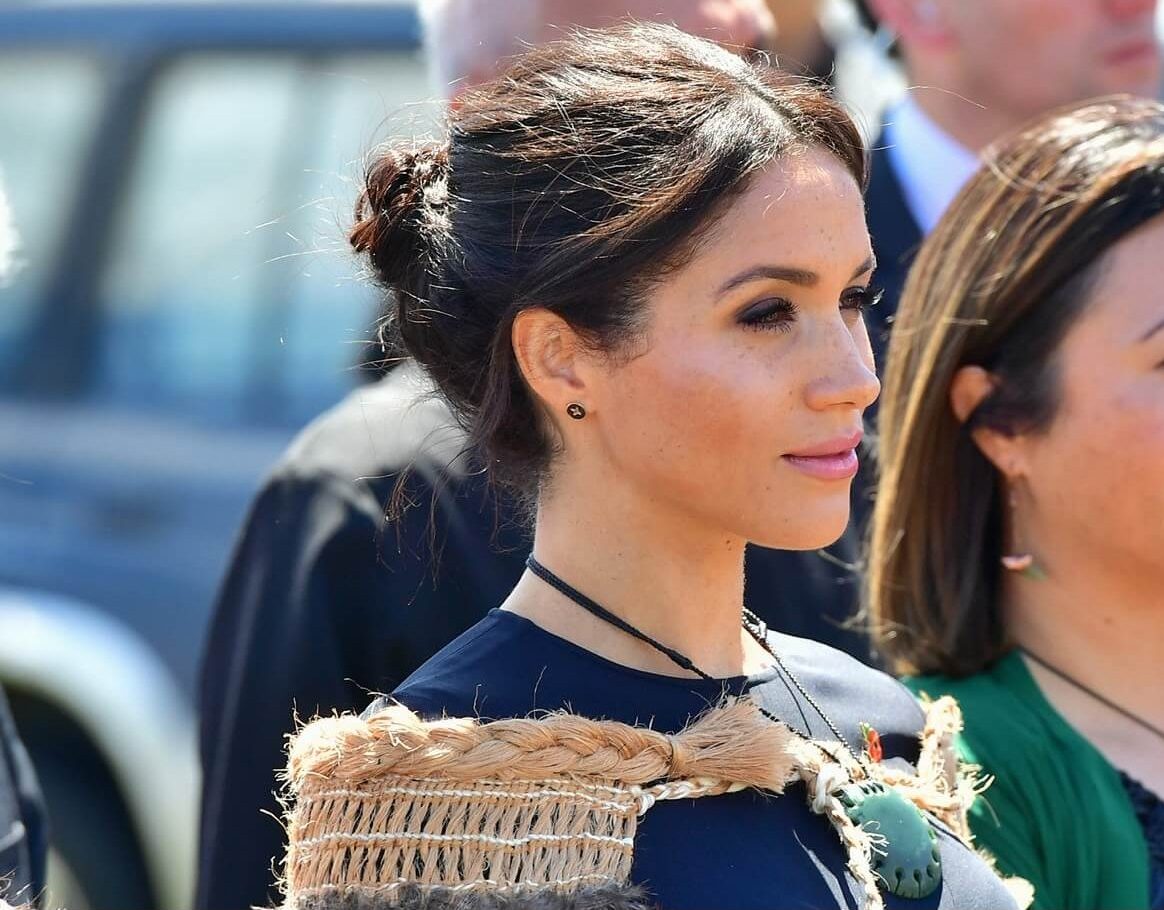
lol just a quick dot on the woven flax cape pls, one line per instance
(393, 811)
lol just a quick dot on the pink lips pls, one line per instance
(834, 459)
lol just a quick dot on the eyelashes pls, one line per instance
(780, 313)
(774, 312)
(860, 299)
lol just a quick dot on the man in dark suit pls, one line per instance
(979, 71)
(325, 601)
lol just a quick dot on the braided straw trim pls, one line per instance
(734, 742)
(823, 777)
(959, 784)
(943, 785)
(474, 806)
(461, 804)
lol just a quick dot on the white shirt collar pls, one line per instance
(930, 164)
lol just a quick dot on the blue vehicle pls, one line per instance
(179, 176)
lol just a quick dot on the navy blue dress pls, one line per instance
(1149, 810)
(743, 851)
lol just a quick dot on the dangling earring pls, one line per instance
(575, 410)
(1021, 562)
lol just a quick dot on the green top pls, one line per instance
(1057, 813)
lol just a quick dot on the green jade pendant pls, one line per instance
(905, 856)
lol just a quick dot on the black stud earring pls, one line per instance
(575, 410)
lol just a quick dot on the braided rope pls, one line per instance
(682, 789)
(823, 778)
(467, 804)
(734, 742)
(943, 784)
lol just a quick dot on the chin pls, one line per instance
(808, 531)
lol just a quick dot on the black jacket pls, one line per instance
(23, 838)
(896, 238)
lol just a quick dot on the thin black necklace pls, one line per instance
(755, 626)
(1089, 691)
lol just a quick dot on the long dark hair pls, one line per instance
(998, 284)
(570, 183)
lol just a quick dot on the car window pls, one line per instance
(49, 104)
(229, 294)
(361, 101)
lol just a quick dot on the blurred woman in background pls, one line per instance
(1017, 551)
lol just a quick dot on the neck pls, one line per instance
(673, 579)
(974, 125)
(1098, 622)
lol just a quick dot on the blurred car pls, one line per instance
(179, 175)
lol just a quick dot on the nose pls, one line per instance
(845, 377)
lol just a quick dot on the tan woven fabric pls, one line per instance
(524, 803)
(429, 831)
(393, 811)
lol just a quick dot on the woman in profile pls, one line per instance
(1017, 553)
(636, 270)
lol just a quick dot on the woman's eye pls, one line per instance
(860, 299)
(775, 312)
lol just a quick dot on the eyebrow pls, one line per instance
(1152, 331)
(805, 278)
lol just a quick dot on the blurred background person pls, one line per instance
(325, 598)
(1017, 555)
(801, 42)
(975, 72)
(466, 47)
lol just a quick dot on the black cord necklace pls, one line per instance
(752, 623)
(1089, 691)
(908, 862)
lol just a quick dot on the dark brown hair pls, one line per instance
(571, 183)
(998, 284)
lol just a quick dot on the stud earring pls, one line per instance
(575, 410)
(1022, 563)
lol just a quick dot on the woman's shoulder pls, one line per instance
(487, 660)
(853, 693)
(508, 666)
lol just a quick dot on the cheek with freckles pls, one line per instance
(697, 411)
(702, 426)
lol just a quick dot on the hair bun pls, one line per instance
(400, 211)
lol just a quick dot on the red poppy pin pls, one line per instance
(872, 740)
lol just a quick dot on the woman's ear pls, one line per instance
(547, 351)
(970, 387)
